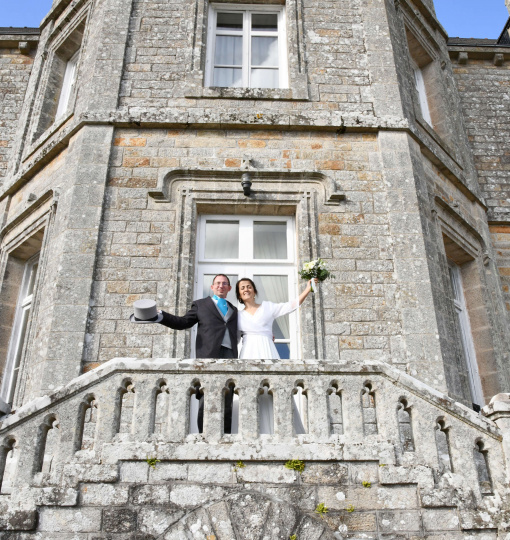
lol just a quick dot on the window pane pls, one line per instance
(283, 350)
(33, 273)
(230, 20)
(269, 240)
(228, 77)
(207, 291)
(264, 51)
(275, 289)
(262, 22)
(222, 240)
(265, 78)
(229, 51)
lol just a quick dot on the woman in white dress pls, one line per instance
(255, 325)
(255, 321)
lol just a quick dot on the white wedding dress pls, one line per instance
(257, 343)
(257, 330)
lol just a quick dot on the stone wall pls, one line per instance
(15, 68)
(482, 78)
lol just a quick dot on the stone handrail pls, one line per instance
(133, 409)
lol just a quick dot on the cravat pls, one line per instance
(222, 305)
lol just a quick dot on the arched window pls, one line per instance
(161, 408)
(299, 409)
(369, 412)
(405, 427)
(335, 414)
(48, 444)
(265, 410)
(196, 408)
(482, 468)
(9, 455)
(443, 447)
(87, 424)
(127, 405)
(231, 409)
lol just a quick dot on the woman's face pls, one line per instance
(246, 291)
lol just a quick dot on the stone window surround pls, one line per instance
(197, 192)
(245, 34)
(298, 84)
(429, 61)
(37, 220)
(63, 43)
(467, 249)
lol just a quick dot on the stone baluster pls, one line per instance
(282, 396)
(143, 414)
(178, 411)
(248, 408)
(213, 408)
(318, 421)
(107, 397)
(351, 404)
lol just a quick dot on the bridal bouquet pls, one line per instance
(315, 269)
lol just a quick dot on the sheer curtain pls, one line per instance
(275, 289)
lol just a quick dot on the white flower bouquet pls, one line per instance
(315, 270)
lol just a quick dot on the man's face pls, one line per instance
(220, 286)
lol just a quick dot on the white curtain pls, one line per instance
(222, 240)
(269, 240)
(275, 289)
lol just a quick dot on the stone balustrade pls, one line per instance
(136, 411)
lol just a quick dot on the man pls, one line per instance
(216, 319)
(216, 335)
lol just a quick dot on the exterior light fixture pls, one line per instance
(246, 183)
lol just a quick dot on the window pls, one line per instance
(19, 329)
(422, 93)
(258, 247)
(468, 348)
(67, 85)
(247, 47)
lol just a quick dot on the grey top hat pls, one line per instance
(145, 312)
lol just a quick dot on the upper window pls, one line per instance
(422, 93)
(67, 85)
(246, 47)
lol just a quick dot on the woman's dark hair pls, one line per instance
(237, 288)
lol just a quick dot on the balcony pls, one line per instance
(134, 420)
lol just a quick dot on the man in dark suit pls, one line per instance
(216, 319)
(216, 335)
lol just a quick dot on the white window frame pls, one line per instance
(247, 266)
(19, 329)
(468, 347)
(68, 85)
(247, 33)
(422, 92)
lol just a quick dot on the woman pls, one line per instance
(255, 321)
(255, 324)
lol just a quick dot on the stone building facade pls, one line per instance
(379, 145)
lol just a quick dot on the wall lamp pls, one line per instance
(246, 183)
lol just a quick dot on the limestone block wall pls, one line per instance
(15, 68)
